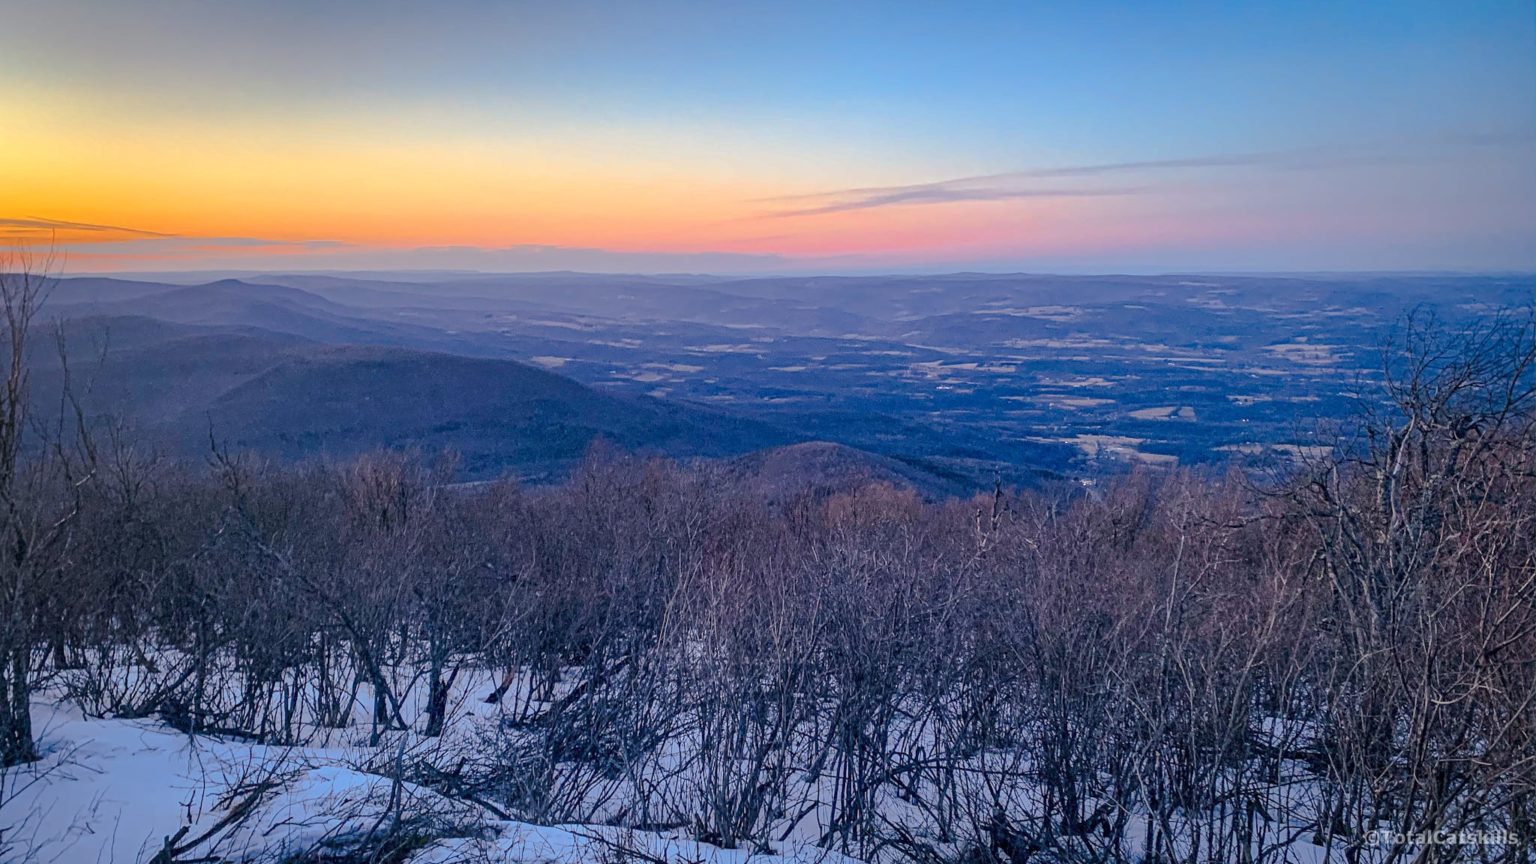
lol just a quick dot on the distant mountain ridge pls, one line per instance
(975, 376)
(179, 386)
(779, 474)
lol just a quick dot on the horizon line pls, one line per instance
(221, 272)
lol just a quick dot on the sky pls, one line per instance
(782, 136)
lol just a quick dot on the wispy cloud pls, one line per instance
(1008, 185)
(34, 226)
(994, 188)
(1027, 183)
(95, 239)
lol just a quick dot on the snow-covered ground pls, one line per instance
(115, 791)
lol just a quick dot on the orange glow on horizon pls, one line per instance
(266, 191)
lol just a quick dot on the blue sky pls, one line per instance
(901, 135)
